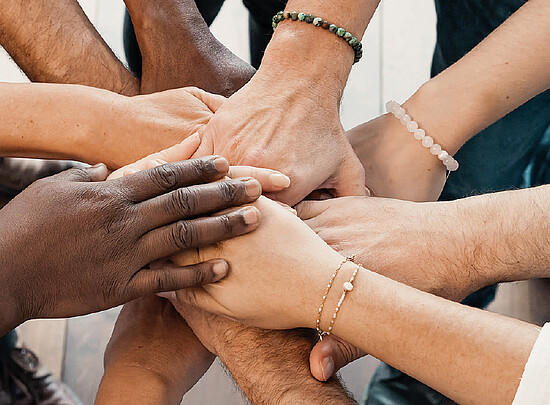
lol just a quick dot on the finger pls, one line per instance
(311, 209)
(176, 153)
(170, 239)
(330, 355)
(198, 200)
(172, 277)
(162, 179)
(94, 173)
(212, 101)
(271, 180)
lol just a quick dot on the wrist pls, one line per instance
(450, 114)
(91, 116)
(301, 55)
(113, 123)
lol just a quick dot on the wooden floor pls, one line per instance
(399, 43)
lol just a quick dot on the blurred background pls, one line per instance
(398, 49)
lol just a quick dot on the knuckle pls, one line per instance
(183, 202)
(184, 235)
(227, 224)
(161, 282)
(80, 173)
(229, 190)
(349, 352)
(164, 176)
(203, 167)
(198, 276)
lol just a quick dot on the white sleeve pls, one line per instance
(534, 388)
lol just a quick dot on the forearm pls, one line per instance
(55, 42)
(457, 350)
(505, 235)
(272, 367)
(53, 121)
(507, 69)
(135, 385)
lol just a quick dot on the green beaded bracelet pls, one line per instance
(319, 22)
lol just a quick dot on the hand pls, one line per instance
(148, 124)
(396, 165)
(416, 244)
(278, 274)
(152, 341)
(87, 244)
(290, 129)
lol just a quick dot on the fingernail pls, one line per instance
(171, 295)
(220, 270)
(253, 187)
(279, 180)
(327, 367)
(221, 165)
(98, 165)
(250, 216)
(161, 162)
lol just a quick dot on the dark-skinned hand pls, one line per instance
(73, 244)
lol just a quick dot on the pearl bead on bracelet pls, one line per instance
(427, 141)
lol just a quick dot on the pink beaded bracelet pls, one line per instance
(427, 141)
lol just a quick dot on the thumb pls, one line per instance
(212, 101)
(331, 354)
(98, 172)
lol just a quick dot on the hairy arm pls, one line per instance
(271, 367)
(505, 235)
(277, 370)
(55, 42)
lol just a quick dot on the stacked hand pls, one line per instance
(297, 133)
